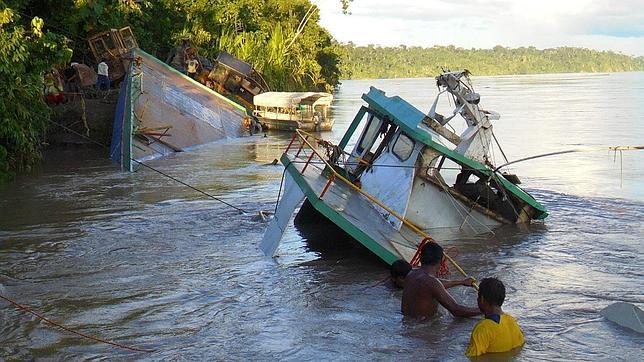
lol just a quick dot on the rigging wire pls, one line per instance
(154, 169)
(574, 150)
(611, 148)
(279, 193)
(499, 145)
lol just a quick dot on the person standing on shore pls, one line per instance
(192, 65)
(103, 80)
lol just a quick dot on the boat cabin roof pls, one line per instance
(409, 119)
(234, 63)
(292, 99)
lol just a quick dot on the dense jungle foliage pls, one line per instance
(370, 62)
(25, 53)
(280, 38)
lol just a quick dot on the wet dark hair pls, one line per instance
(432, 254)
(400, 268)
(493, 291)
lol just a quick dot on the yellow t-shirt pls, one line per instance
(489, 336)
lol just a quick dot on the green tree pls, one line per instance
(160, 24)
(25, 54)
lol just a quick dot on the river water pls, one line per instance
(141, 260)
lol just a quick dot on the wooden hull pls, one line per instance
(161, 111)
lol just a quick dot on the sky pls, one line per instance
(616, 25)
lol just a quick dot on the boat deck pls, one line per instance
(352, 211)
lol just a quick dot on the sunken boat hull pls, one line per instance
(161, 111)
(400, 185)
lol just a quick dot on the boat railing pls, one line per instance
(335, 175)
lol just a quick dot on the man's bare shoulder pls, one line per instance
(420, 277)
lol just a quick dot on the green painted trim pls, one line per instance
(352, 127)
(335, 217)
(203, 87)
(399, 111)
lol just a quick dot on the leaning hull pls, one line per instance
(446, 220)
(290, 125)
(354, 214)
(390, 193)
(161, 111)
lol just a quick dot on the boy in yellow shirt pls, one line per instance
(498, 332)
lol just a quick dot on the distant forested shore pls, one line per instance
(370, 62)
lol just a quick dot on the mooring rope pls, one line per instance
(87, 336)
(67, 329)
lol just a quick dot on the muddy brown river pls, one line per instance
(141, 260)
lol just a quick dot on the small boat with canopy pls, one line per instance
(288, 111)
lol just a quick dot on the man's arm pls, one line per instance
(447, 301)
(468, 282)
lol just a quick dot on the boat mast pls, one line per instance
(474, 142)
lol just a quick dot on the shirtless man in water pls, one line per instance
(423, 290)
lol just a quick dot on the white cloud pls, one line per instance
(597, 24)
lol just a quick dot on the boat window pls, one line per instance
(128, 38)
(369, 135)
(232, 83)
(101, 48)
(218, 75)
(403, 147)
(109, 42)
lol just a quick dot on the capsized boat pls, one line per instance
(288, 111)
(400, 184)
(161, 111)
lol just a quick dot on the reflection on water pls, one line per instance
(141, 260)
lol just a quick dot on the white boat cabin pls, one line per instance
(398, 181)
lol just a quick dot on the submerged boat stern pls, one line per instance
(161, 111)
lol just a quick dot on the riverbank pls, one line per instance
(92, 117)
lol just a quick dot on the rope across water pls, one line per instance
(86, 336)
